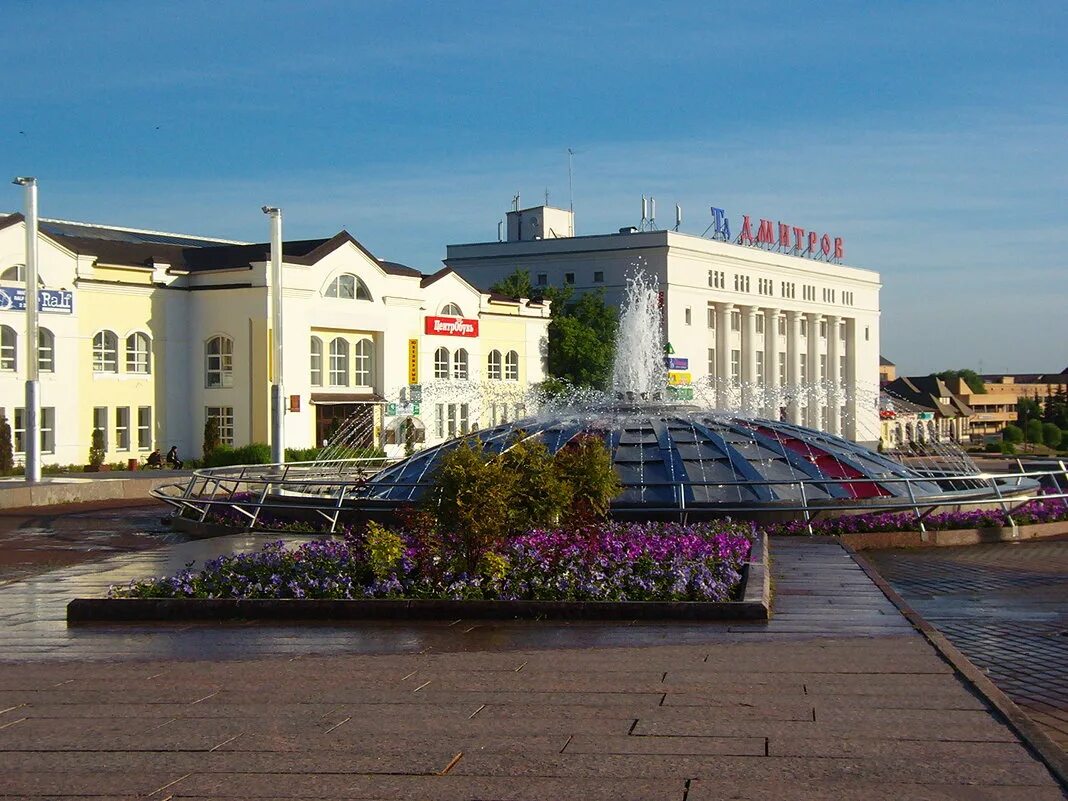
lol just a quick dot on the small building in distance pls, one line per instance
(944, 415)
(887, 370)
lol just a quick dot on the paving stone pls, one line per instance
(712, 790)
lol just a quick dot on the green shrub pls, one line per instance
(1033, 431)
(1051, 435)
(1008, 448)
(225, 456)
(211, 437)
(302, 454)
(992, 447)
(540, 495)
(384, 550)
(7, 450)
(585, 465)
(96, 449)
(1012, 434)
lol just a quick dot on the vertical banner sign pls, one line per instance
(413, 361)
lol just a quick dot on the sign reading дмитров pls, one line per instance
(59, 301)
(780, 236)
(451, 327)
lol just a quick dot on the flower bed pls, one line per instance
(1045, 510)
(602, 562)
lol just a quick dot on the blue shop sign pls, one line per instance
(59, 301)
(676, 363)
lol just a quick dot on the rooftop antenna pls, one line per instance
(652, 213)
(500, 223)
(678, 216)
(515, 202)
(546, 196)
(645, 213)
(571, 189)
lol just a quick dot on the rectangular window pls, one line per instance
(122, 428)
(782, 369)
(48, 430)
(19, 430)
(736, 365)
(224, 419)
(144, 428)
(736, 321)
(711, 362)
(316, 365)
(688, 316)
(711, 316)
(439, 420)
(782, 325)
(867, 333)
(569, 278)
(543, 279)
(804, 327)
(823, 329)
(759, 377)
(100, 422)
(598, 277)
(823, 365)
(465, 425)
(760, 323)
(451, 409)
(804, 368)
(841, 368)
(825, 419)
(712, 278)
(520, 411)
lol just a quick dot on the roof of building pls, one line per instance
(927, 391)
(1028, 378)
(892, 403)
(883, 361)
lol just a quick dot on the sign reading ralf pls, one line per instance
(779, 236)
(451, 327)
(59, 301)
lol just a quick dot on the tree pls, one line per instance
(516, 285)
(1013, 434)
(585, 465)
(211, 436)
(582, 339)
(540, 496)
(1027, 409)
(96, 449)
(7, 451)
(1033, 431)
(970, 377)
(1051, 435)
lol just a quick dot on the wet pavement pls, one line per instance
(1005, 606)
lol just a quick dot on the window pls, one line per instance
(105, 352)
(741, 283)
(711, 312)
(736, 365)
(138, 354)
(441, 363)
(598, 277)
(804, 327)
(9, 342)
(100, 422)
(339, 362)
(823, 329)
(347, 286)
(15, 274)
(451, 417)
(842, 369)
(688, 316)
(493, 366)
(759, 377)
(439, 420)
(717, 279)
(543, 279)
(823, 366)
(867, 333)
(782, 325)
(122, 428)
(48, 434)
(451, 310)
(782, 369)
(765, 286)
(316, 372)
(711, 362)
(569, 278)
(46, 351)
(144, 428)
(760, 323)
(364, 363)
(511, 366)
(804, 368)
(736, 320)
(459, 364)
(224, 419)
(219, 362)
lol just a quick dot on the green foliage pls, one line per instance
(585, 465)
(224, 455)
(384, 550)
(1051, 435)
(971, 378)
(1027, 409)
(302, 454)
(1012, 434)
(1033, 431)
(582, 340)
(96, 448)
(516, 285)
(471, 501)
(992, 447)
(409, 436)
(7, 450)
(211, 437)
(1008, 448)
(540, 496)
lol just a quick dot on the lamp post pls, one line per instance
(32, 436)
(278, 445)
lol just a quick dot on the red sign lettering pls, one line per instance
(784, 235)
(799, 238)
(838, 248)
(765, 233)
(747, 231)
(825, 245)
(813, 238)
(451, 327)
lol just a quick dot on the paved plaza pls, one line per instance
(837, 697)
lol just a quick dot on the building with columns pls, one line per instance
(762, 329)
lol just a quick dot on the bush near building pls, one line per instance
(7, 452)
(1012, 434)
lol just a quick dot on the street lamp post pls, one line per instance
(32, 424)
(278, 445)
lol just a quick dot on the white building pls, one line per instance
(150, 334)
(760, 326)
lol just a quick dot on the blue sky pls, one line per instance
(930, 135)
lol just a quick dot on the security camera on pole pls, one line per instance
(32, 436)
(278, 445)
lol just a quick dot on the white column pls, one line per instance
(793, 364)
(813, 377)
(723, 355)
(850, 431)
(278, 437)
(31, 416)
(771, 363)
(749, 349)
(834, 413)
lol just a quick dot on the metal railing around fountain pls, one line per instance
(330, 490)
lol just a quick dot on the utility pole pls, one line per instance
(278, 439)
(32, 435)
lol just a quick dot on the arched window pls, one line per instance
(316, 362)
(441, 363)
(451, 310)
(349, 287)
(493, 365)
(459, 364)
(46, 351)
(106, 352)
(511, 366)
(138, 353)
(219, 362)
(339, 362)
(9, 343)
(365, 363)
(16, 274)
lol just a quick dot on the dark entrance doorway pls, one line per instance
(354, 421)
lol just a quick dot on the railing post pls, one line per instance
(337, 512)
(804, 506)
(1001, 499)
(915, 507)
(681, 489)
(259, 506)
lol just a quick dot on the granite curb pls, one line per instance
(754, 606)
(1030, 732)
(872, 540)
